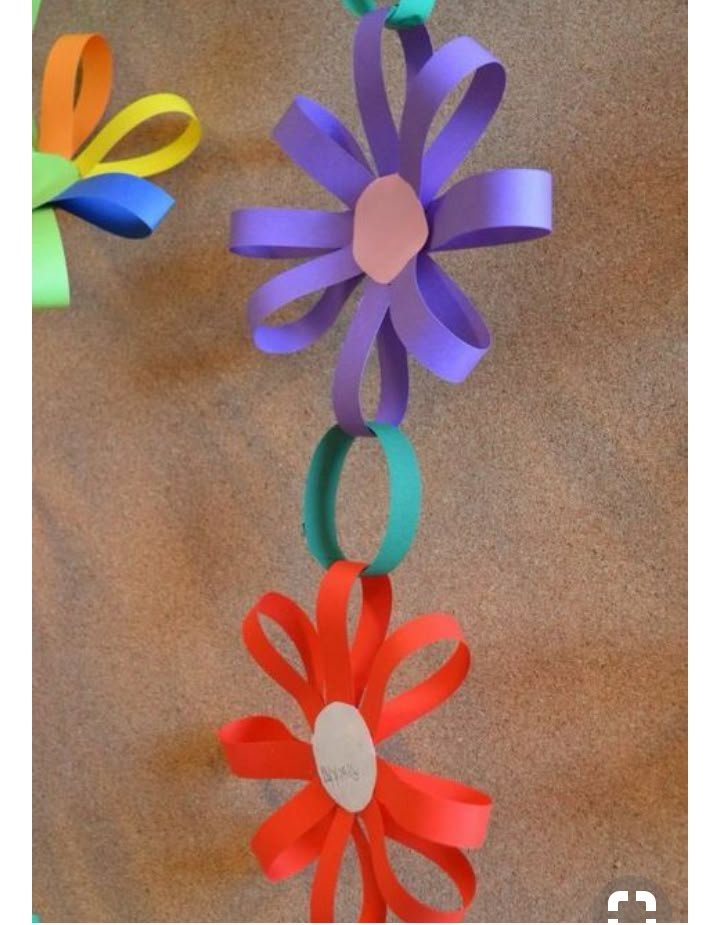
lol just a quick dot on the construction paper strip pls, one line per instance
(369, 324)
(119, 203)
(50, 283)
(263, 747)
(287, 233)
(297, 626)
(436, 321)
(322, 899)
(51, 175)
(346, 669)
(403, 506)
(499, 207)
(293, 836)
(385, 718)
(442, 74)
(35, 11)
(90, 161)
(432, 807)
(281, 290)
(75, 91)
(319, 143)
(406, 14)
(450, 860)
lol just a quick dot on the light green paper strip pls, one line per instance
(50, 283)
(405, 14)
(51, 175)
(36, 10)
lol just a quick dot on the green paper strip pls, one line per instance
(51, 175)
(405, 14)
(36, 918)
(321, 495)
(36, 10)
(50, 283)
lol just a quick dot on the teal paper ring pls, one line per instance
(405, 487)
(406, 14)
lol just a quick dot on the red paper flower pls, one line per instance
(350, 791)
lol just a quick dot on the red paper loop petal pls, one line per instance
(433, 808)
(263, 747)
(324, 888)
(347, 669)
(297, 626)
(450, 860)
(294, 835)
(386, 718)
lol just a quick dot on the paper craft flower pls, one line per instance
(350, 792)
(394, 222)
(109, 194)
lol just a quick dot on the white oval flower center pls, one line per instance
(389, 228)
(345, 756)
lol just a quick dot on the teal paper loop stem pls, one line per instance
(321, 489)
(405, 14)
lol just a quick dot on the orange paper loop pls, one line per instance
(67, 117)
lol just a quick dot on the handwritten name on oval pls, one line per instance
(345, 756)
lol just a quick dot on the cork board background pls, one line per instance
(170, 458)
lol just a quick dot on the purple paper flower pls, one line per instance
(394, 222)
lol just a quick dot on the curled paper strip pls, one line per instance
(403, 508)
(403, 15)
(431, 815)
(394, 221)
(110, 194)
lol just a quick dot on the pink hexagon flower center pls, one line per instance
(390, 227)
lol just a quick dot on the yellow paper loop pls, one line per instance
(90, 161)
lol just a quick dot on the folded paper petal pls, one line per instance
(119, 203)
(499, 207)
(286, 233)
(293, 836)
(450, 860)
(432, 807)
(50, 283)
(263, 747)
(319, 143)
(369, 324)
(346, 668)
(75, 91)
(385, 718)
(292, 284)
(90, 161)
(442, 74)
(297, 627)
(51, 175)
(436, 321)
(322, 899)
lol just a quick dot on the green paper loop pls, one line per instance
(321, 495)
(36, 10)
(51, 175)
(50, 283)
(405, 14)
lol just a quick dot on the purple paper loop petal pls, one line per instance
(286, 233)
(319, 143)
(499, 207)
(447, 68)
(436, 321)
(370, 87)
(370, 323)
(338, 267)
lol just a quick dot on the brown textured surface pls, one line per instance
(170, 458)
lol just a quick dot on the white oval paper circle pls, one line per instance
(345, 756)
